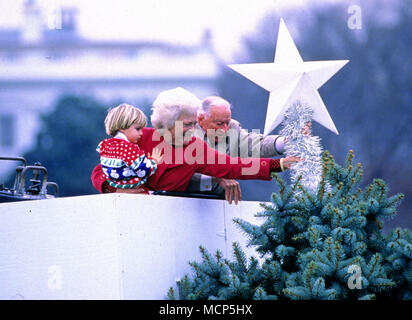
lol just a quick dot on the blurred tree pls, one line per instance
(67, 142)
(369, 99)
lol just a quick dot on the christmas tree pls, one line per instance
(321, 236)
(323, 245)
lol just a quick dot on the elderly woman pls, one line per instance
(174, 116)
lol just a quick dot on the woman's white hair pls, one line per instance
(171, 104)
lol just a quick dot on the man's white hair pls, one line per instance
(211, 101)
(171, 104)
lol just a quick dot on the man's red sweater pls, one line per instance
(179, 164)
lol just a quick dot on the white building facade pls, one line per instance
(38, 64)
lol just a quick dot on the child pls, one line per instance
(124, 164)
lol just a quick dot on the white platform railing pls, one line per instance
(111, 246)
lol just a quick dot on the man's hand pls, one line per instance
(232, 190)
(305, 130)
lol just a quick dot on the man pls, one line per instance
(220, 131)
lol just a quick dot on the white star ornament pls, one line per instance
(289, 78)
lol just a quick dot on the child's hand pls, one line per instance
(289, 161)
(156, 155)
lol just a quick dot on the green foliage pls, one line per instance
(327, 244)
(67, 142)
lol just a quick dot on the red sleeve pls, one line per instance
(275, 165)
(99, 181)
(223, 166)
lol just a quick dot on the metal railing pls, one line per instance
(35, 191)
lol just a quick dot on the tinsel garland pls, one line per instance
(304, 146)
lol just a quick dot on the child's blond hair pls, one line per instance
(123, 117)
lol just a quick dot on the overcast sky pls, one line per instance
(172, 20)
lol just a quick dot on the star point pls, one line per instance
(289, 78)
